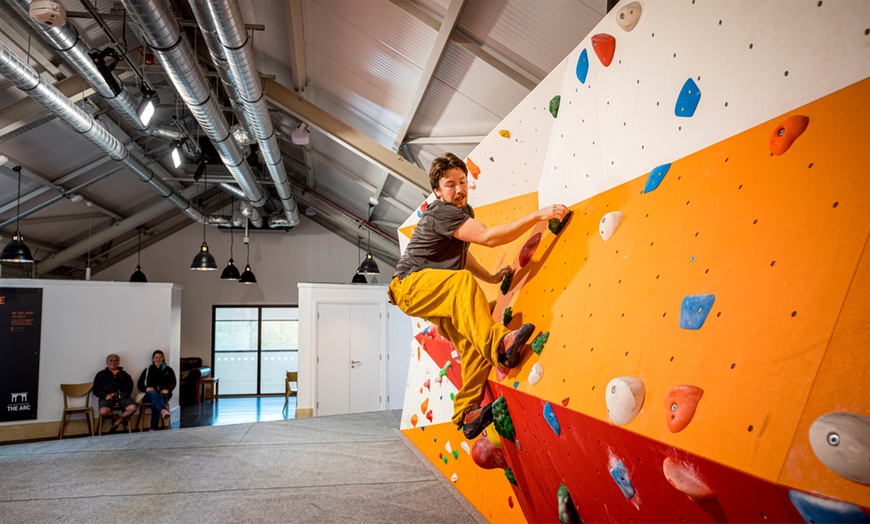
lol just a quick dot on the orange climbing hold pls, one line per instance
(472, 168)
(504, 133)
(686, 480)
(604, 46)
(414, 420)
(424, 406)
(786, 133)
(680, 404)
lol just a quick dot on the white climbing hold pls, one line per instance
(628, 16)
(841, 441)
(609, 223)
(449, 448)
(465, 447)
(535, 373)
(455, 477)
(624, 398)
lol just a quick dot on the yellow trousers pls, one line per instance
(453, 301)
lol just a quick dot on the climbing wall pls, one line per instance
(701, 320)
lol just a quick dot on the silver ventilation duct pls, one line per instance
(226, 19)
(27, 80)
(162, 33)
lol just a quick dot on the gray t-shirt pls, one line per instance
(433, 244)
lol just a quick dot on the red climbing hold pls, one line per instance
(486, 455)
(426, 384)
(510, 501)
(565, 401)
(429, 415)
(604, 46)
(680, 405)
(686, 480)
(529, 249)
(472, 168)
(786, 133)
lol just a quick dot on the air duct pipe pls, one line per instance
(226, 19)
(162, 33)
(27, 80)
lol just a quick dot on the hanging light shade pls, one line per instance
(16, 250)
(369, 266)
(248, 276)
(231, 272)
(359, 279)
(203, 261)
(138, 275)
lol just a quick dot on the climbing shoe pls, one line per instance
(476, 421)
(511, 346)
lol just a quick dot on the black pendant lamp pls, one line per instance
(231, 272)
(369, 266)
(358, 278)
(138, 275)
(16, 250)
(204, 261)
(248, 275)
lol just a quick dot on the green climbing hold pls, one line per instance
(456, 454)
(556, 226)
(445, 459)
(554, 105)
(502, 419)
(506, 283)
(508, 315)
(567, 511)
(452, 395)
(538, 343)
(510, 476)
(447, 366)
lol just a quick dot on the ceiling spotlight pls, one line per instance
(200, 167)
(176, 153)
(300, 135)
(105, 69)
(147, 105)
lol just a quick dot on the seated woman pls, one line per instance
(157, 381)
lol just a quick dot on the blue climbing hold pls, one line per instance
(516, 384)
(550, 415)
(655, 177)
(620, 475)
(815, 509)
(583, 66)
(688, 99)
(694, 310)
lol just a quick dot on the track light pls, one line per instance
(16, 250)
(147, 105)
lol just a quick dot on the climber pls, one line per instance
(434, 280)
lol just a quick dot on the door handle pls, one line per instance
(355, 363)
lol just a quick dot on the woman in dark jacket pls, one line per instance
(157, 381)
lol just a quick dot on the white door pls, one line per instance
(349, 370)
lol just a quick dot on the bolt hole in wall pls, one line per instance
(254, 347)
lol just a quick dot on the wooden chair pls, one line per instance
(146, 420)
(71, 391)
(288, 390)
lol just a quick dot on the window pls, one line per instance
(254, 347)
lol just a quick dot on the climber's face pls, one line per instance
(453, 187)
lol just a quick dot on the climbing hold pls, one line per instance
(424, 406)
(516, 384)
(786, 133)
(604, 46)
(465, 447)
(502, 419)
(506, 282)
(624, 398)
(510, 476)
(456, 454)
(447, 365)
(448, 447)
(694, 310)
(841, 441)
(556, 226)
(414, 420)
(529, 248)
(567, 510)
(426, 384)
(510, 501)
(422, 209)
(454, 477)
(817, 509)
(582, 66)
(655, 177)
(472, 168)
(535, 373)
(444, 459)
(508, 315)
(493, 436)
(620, 475)
(687, 100)
(452, 395)
(628, 16)
(686, 481)
(609, 223)
(429, 415)
(550, 415)
(538, 343)
(565, 401)
(680, 405)
(554, 105)
(486, 455)
(505, 133)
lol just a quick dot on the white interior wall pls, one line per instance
(308, 253)
(83, 322)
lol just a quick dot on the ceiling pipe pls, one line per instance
(27, 80)
(225, 17)
(162, 33)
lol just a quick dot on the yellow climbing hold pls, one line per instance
(505, 133)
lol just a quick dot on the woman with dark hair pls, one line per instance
(157, 381)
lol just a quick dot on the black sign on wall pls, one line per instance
(20, 328)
